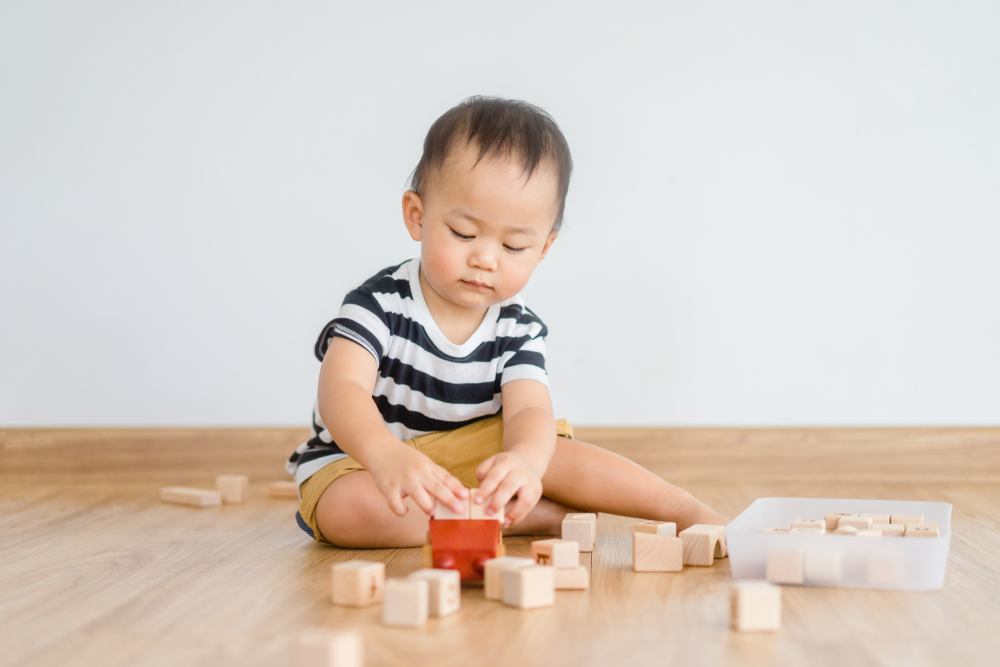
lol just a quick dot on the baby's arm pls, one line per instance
(529, 440)
(346, 382)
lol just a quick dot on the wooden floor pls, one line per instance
(104, 574)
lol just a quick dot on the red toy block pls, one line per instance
(464, 545)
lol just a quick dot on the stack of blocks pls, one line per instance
(656, 547)
(564, 557)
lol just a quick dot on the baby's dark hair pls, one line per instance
(506, 128)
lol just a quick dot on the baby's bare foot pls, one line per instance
(544, 519)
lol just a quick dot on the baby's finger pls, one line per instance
(396, 504)
(440, 491)
(489, 485)
(420, 497)
(505, 493)
(453, 483)
(484, 468)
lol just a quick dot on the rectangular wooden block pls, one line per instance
(846, 530)
(324, 648)
(358, 583)
(283, 490)
(444, 590)
(184, 495)
(572, 579)
(904, 519)
(556, 553)
(891, 529)
(922, 530)
(877, 519)
(832, 518)
(493, 574)
(667, 528)
(810, 524)
(657, 553)
(755, 606)
(529, 587)
(859, 522)
(405, 602)
(479, 511)
(579, 530)
(784, 566)
(442, 511)
(703, 543)
(232, 487)
(869, 532)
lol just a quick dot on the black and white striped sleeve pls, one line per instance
(362, 320)
(526, 358)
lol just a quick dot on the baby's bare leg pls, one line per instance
(596, 480)
(352, 513)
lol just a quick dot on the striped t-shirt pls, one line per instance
(425, 382)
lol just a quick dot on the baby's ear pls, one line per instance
(553, 235)
(413, 214)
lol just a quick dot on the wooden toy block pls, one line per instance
(444, 590)
(442, 511)
(922, 530)
(832, 518)
(580, 529)
(859, 522)
(322, 648)
(479, 511)
(905, 519)
(784, 566)
(465, 545)
(891, 529)
(572, 579)
(232, 487)
(846, 530)
(493, 574)
(869, 532)
(877, 519)
(358, 583)
(529, 587)
(703, 543)
(657, 553)
(755, 606)
(283, 490)
(777, 530)
(667, 528)
(821, 567)
(183, 495)
(810, 524)
(556, 553)
(405, 602)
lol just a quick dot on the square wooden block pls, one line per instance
(905, 519)
(556, 553)
(816, 525)
(444, 590)
(283, 490)
(876, 518)
(479, 511)
(859, 522)
(493, 574)
(580, 531)
(405, 602)
(784, 566)
(667, 528)
(442, 511)
(232, 487)
(832, 518)
(703, 543)
(529, 587)
(572, 579)
(822, 566)
(358, 583)
(657, 553)
(756, 606)
(922, 530)
(184, 495)
(323, 648)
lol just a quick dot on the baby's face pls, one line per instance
(482, 229)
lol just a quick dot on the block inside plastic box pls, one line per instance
(845, 561)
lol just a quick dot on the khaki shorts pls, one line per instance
(459, 452)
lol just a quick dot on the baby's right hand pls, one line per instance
(404, 471)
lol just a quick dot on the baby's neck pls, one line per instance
(457, 323)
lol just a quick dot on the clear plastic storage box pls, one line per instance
(847, 561)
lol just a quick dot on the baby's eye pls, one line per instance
(514, 250)
(461, 236)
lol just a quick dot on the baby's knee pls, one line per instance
(344, 511)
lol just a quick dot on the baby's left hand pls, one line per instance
(503, 475)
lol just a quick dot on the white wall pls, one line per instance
(783, 213)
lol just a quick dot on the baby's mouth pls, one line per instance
(476, 286)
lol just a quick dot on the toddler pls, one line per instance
(433, 372)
